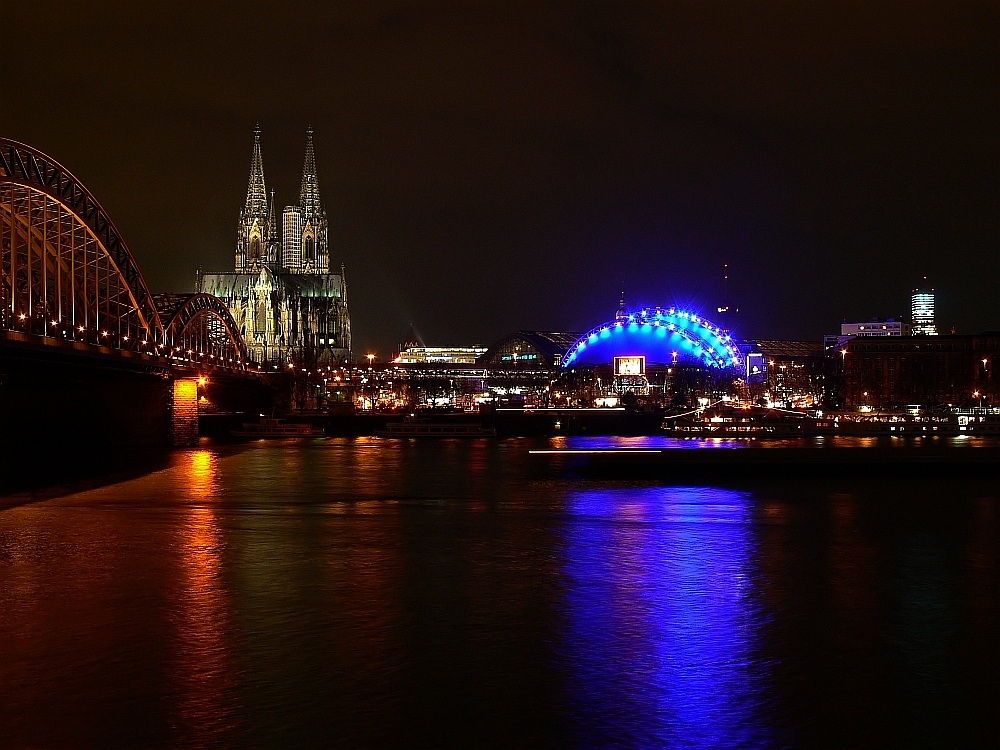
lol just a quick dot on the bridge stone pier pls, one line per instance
(184, 412)
(63, 414)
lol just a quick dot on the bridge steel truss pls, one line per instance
(200, 329)
(66, 273)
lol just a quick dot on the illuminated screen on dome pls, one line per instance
(630, 365)
(660, 336)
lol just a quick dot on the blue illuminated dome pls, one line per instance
(661, 335)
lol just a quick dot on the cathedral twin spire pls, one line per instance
(256, 204)
(259, 228)
(309, 190)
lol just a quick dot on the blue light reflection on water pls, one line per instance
(663, 619)
(607, 442)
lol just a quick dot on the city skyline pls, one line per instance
(493, 168)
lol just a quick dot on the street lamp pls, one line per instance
(371, 358)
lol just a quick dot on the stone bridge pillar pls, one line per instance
(184, 430)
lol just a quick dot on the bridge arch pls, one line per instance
(661, 335)
(65, 270)
(199, 328)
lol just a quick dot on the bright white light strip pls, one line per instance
(573, 409)
(608, 450)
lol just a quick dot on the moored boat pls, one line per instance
(737, 423)
(413, 426)
(269, 427)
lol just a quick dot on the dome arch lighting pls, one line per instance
(662, 335)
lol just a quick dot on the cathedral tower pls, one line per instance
(310, 226)
(251, 245)
(273, 241)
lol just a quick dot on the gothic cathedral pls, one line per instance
(282, 294)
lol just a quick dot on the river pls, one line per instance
(363, 592)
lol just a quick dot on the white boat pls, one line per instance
(729, 422)
(426, 427)
(708, 429)
(275, 428)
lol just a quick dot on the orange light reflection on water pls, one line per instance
(203, 678)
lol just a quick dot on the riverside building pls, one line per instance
(946, 370)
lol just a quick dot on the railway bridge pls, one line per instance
(89, 354)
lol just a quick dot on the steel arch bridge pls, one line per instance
(200, 327)
(67, 274)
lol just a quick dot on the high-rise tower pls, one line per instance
(251, 250)
(922, 309)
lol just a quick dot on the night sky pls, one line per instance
(490, 166)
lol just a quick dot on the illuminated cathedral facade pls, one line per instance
(281, 293)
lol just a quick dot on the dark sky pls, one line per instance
(490, 166)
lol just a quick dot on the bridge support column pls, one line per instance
(185, 412)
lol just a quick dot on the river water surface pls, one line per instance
(396, 593)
